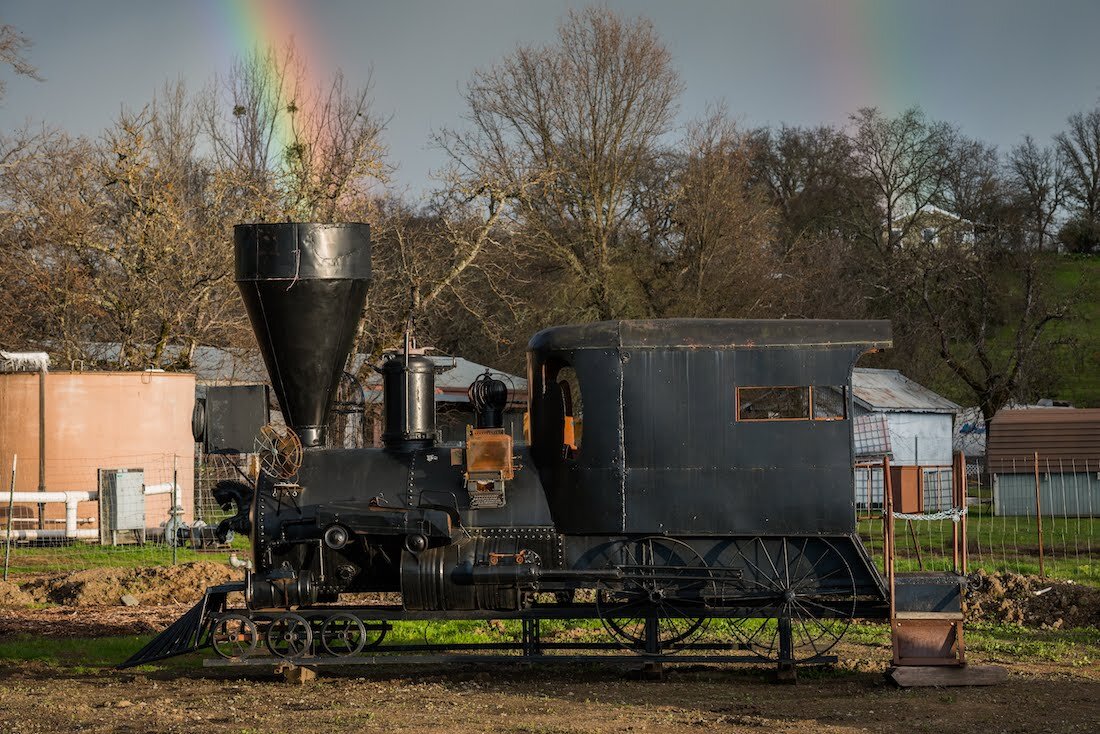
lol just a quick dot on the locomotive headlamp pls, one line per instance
(336, 537)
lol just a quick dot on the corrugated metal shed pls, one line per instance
(451, 384)
(1062, 436)
(216, 366)
(878, 390)
(1063, 494)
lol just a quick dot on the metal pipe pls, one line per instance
(1039, 517)
(41, 441)
(11, 508)
(46, 497)
(164, 488)
(71, 500)
(79, 534)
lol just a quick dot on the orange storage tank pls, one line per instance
(99, 420)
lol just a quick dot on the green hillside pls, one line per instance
(1078, 368)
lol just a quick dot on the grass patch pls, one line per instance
(1071, 546)
(1078, 368)
(1079, 646)
(88, 652)
(33, 559)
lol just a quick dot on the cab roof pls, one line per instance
(713, 334)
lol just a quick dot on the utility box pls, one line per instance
(121, 506)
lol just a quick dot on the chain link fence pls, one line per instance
(127, 510)
(1026, 517)
(135, 510)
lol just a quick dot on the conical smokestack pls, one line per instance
(304, 286)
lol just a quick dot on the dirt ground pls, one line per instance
(184, 583)
(1048, 696)
(538, 700)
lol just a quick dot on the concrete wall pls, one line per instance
(100, 420)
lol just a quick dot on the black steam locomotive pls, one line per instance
(681, 475)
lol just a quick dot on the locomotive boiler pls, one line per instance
(687, 482)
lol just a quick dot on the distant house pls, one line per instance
(913, 426)
(1066, 442)
(932, 225)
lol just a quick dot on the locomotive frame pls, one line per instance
(707, 479)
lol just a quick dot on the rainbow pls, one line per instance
(869, 59)
(256, 26)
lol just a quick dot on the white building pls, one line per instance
(897, 417)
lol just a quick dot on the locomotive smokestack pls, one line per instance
(304, 286)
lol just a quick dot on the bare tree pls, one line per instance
(812, 180)
(122, 240)
(988, 310)
(48, 203)
(437, 264)
(13, 45)
(719, 257)
(972, 184)
(1080, 145)
(306, 153)
(1038, 181)
(905, 158)
(567, 131)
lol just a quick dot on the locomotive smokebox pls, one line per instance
(304, 286)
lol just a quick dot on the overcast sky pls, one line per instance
(998, 69)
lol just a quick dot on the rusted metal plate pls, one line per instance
(924, 676)
(889, 389)
(925, 642)
(489, 452)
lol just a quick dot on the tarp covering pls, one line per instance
(24, 361)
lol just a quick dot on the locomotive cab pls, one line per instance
(698, 426)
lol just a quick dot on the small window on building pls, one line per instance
(928, 234)
(773, 403)
(829, 403)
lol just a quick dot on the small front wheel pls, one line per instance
(289, 636)
(234, 636)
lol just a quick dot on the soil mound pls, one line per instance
(1033, 602)
(12, 596)
(183, 584)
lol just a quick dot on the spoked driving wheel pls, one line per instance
(658, 606)
(234, 636)
(289, 636)
(797, 593)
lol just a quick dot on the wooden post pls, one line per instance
(177, 510)
(1039, 517)
(11, 511)
(960, 526)
(41, 444)
(888, 495)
